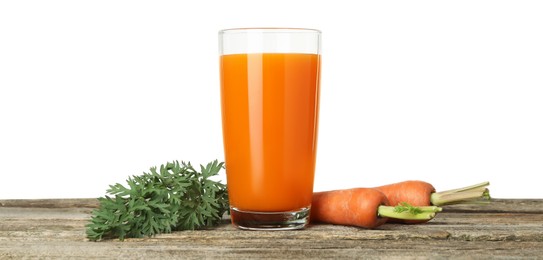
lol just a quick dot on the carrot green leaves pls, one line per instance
(173, 197)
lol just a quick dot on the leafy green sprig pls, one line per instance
(176, 197)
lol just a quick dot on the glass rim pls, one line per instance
(269, 30)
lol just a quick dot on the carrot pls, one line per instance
(421, 194)
(416, 193)
(362, 207)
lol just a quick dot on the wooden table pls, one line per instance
(502, 229)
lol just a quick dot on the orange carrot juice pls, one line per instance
(270, 104)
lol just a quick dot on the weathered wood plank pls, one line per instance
(272, 250)
(501, 205)
(501, 229)
(50, 203)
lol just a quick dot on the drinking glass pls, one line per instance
(270, 81)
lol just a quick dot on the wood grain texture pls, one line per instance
(502, 229)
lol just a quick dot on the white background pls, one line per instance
(450, 92)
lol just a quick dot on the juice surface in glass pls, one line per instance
(270, 112)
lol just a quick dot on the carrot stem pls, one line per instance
(408, 212)
(471, 194)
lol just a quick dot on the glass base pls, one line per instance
(251, 220)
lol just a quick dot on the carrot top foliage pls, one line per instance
(176, 197)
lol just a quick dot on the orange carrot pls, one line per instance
(416, 193)
(361, 207)
(420, 194)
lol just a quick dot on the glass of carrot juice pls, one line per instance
(270, 81)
